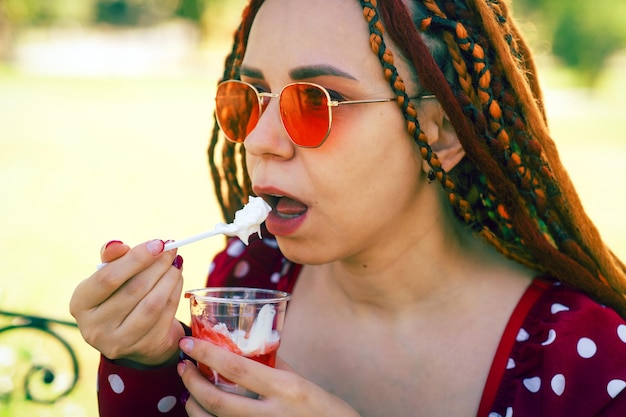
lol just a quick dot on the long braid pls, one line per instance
(232, 192)
(518, 186)
(522, 84)
(521, 52)
(410, 113)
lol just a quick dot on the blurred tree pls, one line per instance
(583, 35)
(6, 34)
(220, 18)
(46, 12)
(133, 12)
(29, 12)
(191, 9)
(586, 39)
(118, 12)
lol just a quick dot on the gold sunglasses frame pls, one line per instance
(329, 102)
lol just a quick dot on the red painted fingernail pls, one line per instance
(109, 243)
(184, 396)
(155, 246)
(178, 262)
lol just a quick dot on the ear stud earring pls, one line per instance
(431, 176)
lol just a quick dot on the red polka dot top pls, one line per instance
(561, 354)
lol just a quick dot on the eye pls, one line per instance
(260, 88)
(335, 96)
(264, 99)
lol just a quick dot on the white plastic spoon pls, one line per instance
(247, 221)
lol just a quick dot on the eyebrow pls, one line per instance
(251, 72)
(312, 71)
(300, 73)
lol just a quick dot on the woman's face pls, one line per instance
(362, 186)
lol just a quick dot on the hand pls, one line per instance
(126, 310)
(282, 392)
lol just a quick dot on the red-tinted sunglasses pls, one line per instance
(305, 110)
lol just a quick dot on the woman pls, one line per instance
(439, 260)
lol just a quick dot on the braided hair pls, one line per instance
(510, 187)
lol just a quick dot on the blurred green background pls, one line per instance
(105, 112)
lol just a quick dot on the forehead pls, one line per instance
(294, 33)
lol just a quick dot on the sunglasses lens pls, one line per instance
(305, 114)
(236, 109)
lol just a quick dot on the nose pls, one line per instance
(269, 138)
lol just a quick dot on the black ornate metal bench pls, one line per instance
(37, 363)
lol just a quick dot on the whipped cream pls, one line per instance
(247, 220)
(261, 336)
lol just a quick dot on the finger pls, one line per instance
(113, 250)
(127, 299)
(248, 373)
(206, 397)
(146, 336)
(106, 281)
(194, 409)
(154, 319)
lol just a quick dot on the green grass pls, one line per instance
(86, 160)
(83, 161)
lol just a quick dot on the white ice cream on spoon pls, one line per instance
(247, 221)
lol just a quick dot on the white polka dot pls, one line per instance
(166, 404)
(494, 415)
(272, 243)
(241, 269)
(522, 335)
(236, 248)
(510, 364)
(558, 384)
(551, 337)
(557, 308)
(286, 266)
(532, 384)
(275, 277)
(116, 383)
(615, 386)
(509, 412)
(586, 347)
(621, 332)
(211, 267)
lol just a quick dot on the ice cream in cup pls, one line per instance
(246, 321)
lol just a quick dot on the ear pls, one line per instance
(442, 137)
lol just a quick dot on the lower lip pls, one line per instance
(283, 226)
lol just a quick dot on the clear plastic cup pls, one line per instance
(246, 321)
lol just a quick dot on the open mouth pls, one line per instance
(285, 207)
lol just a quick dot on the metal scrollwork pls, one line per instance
(32, 351)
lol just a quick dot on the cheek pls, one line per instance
(376, 140)
(370, 160)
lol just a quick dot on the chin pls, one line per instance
(301, 253)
